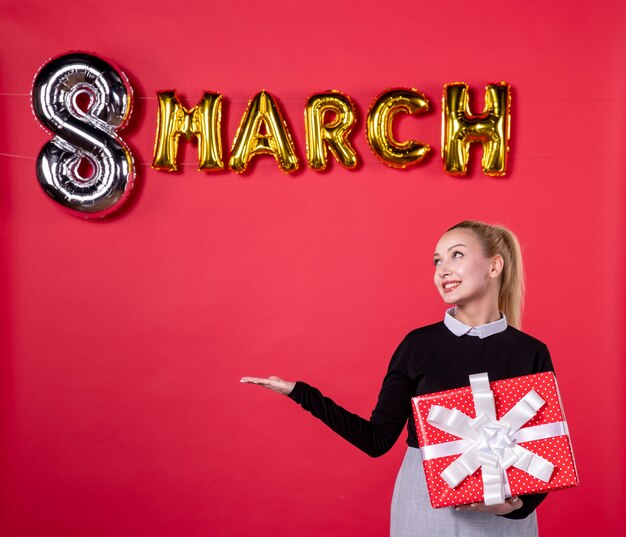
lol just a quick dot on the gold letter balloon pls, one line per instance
(380, 127)
(322, 134)
(263, 131)
(202, 121)
(461, 128)
(85, 135)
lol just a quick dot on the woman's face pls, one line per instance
(462, 272)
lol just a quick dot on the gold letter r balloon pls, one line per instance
(333, 134)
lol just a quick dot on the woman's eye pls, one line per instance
(437, 262)
(457, 254)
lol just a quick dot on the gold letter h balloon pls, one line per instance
(461, 128)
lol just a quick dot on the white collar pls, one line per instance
(484, 330)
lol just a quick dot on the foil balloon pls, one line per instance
(202, 121)
(263, 131)
(380, 127)
(491, 128)
(322, 134)
(86, 132)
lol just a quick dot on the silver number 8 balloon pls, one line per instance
(84, 101)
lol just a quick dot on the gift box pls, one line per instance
(490, 441)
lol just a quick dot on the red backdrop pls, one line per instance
(123, 340)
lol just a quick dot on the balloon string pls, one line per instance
(17, 156)
(300, 101)
(24, 157)
(142, 98)
(374, 161)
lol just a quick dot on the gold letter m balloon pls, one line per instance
(202, 121)
(461, 128)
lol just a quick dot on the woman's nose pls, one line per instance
(443, 270)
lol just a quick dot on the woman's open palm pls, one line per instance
(275, 384)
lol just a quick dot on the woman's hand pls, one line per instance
(510, 505)
(275, 384)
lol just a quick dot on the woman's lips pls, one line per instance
(450, 285)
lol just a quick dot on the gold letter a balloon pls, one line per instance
(263, 132)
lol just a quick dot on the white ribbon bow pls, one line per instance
(490, 444)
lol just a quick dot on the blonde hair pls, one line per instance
(498, 240)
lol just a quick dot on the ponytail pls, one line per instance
(498, 240)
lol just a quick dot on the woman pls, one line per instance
(478, 268)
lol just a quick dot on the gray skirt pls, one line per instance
(413, 516)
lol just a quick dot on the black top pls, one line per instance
(430, 359)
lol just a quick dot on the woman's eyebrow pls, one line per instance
(453, 246)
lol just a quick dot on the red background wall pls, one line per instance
(123, 340)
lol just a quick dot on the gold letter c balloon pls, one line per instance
(380, 127)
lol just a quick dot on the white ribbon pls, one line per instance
(490, 444)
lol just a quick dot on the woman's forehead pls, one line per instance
(454, 237)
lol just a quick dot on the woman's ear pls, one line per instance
(497, 264)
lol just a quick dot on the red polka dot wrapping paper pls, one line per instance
(507, 393)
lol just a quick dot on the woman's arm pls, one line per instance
(374, 436)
